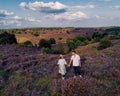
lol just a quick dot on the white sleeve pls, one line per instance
(65, 62)
(71, 57)
(78, 57)
(58, 62)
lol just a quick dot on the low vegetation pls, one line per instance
(28, 72)
(24, 71)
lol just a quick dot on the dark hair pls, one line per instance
(60, 56)
(74, 51)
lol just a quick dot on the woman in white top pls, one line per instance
(61, 66)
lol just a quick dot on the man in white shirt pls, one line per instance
(75, 58)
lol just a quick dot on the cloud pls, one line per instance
(32, 20)
(17, 18)
(50, 7)
(70, 16)
(4, 13)
(85, 7)
(117, 7)
(106, 0)
(10, 22)
(99, 17)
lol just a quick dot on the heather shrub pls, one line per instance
(4, 73)
(1, 54)
(74, 87)
(83, 87)
(42, 82)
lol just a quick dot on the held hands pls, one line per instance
(68, 65)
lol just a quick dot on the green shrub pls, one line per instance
(55, 51)
(105, 44)
(35, 33)
(27, 44)
(115, 35)
(77, 41)
(96, 37)
(45, 50)
(81, 38)
(71, 44)
(50, 51)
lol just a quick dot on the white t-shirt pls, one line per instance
(76, 60)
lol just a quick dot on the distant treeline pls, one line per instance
(24, 30)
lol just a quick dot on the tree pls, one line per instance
(6, 38)
(44, 43)
(96, 37)
(71, 44)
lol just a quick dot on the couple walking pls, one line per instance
(75, 61)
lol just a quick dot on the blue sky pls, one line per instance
(59, 13)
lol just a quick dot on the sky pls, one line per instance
(59, 13)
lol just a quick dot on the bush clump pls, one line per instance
(104, 44)
(27, 44)
(6, 38)
(44, 44)
(35, 33)
(45, 50)
(77, 41)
